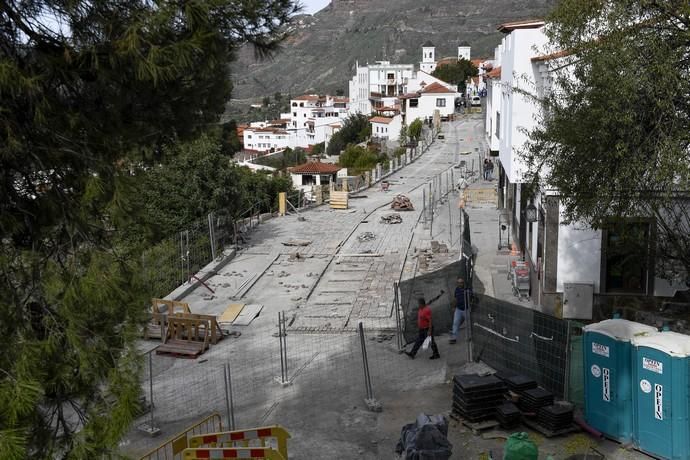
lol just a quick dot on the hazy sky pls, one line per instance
(312, 6)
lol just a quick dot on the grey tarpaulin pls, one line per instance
(426, 439)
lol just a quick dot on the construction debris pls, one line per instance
(391, 219)
(402, 203)
(297, 243)
(366, 236)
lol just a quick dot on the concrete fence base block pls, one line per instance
(373, 405)
(282, 383)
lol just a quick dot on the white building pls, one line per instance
(312, 118)
(464, 52)
(262, 137)
(424, 103)
(559, 254)
(378, 85)
(428, 63)
(386, 128)
(307, 175)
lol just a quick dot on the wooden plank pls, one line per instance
(181, 348)
(231, 313)
(249, 312)
(339, 200)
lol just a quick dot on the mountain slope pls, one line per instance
(321, 54)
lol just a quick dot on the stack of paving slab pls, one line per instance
(555, 417)
(508, 415)
(532, 400)
(475, 398)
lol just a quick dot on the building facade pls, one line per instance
(560, 254)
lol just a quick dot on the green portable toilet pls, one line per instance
(662, 394)
(608, 375)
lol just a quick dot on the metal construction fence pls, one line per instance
(277, 376)
(515, 339)
(176, 259)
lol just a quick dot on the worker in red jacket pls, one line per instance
(425, 326)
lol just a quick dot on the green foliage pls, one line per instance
(615, 137)
(356, 128)
(414, 131)
(76, 111)
(318, 149)
(456, 73)
(230, 141)
(359, 159)
(285, 160)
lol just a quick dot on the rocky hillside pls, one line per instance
(321, 54)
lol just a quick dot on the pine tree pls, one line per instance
(86, 89)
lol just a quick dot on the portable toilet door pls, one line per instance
(662, 401)
(608, 376)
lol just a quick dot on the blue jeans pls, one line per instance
(458, 319)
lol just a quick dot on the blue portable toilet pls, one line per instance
(662, 394)
(608, 375)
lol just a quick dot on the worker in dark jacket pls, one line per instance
(425, 326)
(460, 309)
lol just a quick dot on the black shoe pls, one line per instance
(434, 356)
(409, 354)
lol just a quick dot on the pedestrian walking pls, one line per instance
(426, 329)
(460, 308)
(486, 169)
(491, 170)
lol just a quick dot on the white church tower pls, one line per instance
(464, 52)
(428, 63)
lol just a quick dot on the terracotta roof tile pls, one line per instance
(508, 27)
(436, 88)
(551, 56)
(315, 167)
(494, 73)
(384, 120)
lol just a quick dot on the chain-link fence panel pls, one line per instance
(515, 339)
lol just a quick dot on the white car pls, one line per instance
(476, 101)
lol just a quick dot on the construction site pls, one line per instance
(291, 341)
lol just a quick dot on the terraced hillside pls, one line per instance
(321, 54)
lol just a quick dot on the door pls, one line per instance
(600, 376)
(654, 423)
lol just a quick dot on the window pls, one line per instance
(294, 114)
(305, 115)
(294, 104)
(249, 136)
(498, 125)
(391, 76)
(625, 257)
(414, 102)
(440, 102)
(301, 104)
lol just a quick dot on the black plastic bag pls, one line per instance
(426, 439)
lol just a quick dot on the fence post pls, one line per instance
(450, 224)
(229, 403)
(398, 318)
(424, 204)
(150, 428)
(212, 235)
(371, 402)
(182, 257)
(282, 337)
(187, 256)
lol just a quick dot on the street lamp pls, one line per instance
(531, 213)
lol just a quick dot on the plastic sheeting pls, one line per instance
(426, 439)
